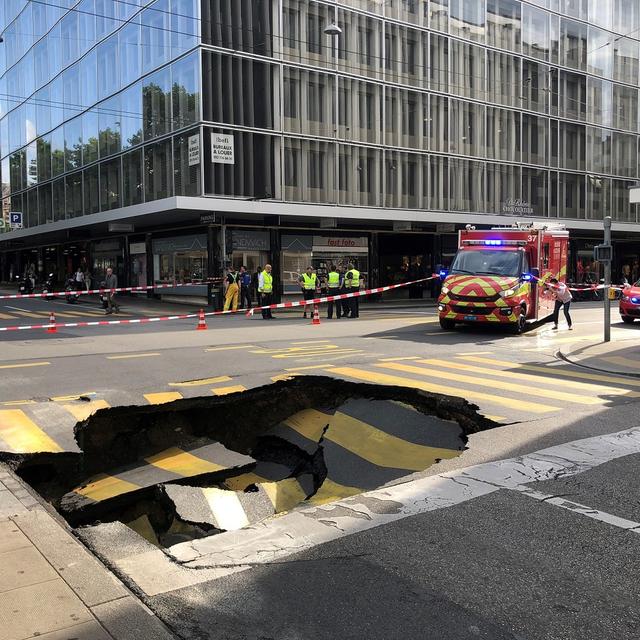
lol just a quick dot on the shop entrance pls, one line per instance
(251, 260)
(405, 257)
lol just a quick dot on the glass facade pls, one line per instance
(435, 105)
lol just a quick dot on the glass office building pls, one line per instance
(166, 138)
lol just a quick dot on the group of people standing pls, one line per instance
(238, 286)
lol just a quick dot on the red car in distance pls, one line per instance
(630, 303)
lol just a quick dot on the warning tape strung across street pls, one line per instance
(84, 292)
(186, 316)
(593, 287)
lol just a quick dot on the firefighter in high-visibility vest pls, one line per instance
(265, 290)
(232, 290)
(309, 285)
(334, 283)
(352, 284)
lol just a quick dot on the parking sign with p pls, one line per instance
(15, 219)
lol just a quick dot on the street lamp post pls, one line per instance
(334, 31)
(607, 281)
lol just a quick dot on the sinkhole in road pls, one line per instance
(200, 466)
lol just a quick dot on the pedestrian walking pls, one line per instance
(79, 279)
(232, 290)
(309, 284)
(352, 283)
(563, 299)
(265, 290)
(111, 282)
(245, 288)
(334, 284)
(87, 280)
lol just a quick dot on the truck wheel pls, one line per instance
(627, 319)
(447, 325)
(521, 323)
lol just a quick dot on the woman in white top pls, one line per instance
(563, 299)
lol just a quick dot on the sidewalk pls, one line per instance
(51, 587)
(621, 356)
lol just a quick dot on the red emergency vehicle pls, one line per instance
(498, 275)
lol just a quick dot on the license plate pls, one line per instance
(471, 317)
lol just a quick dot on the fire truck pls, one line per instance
(499, 275)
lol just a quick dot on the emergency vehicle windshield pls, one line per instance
(487, 262)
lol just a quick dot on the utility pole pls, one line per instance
(607, 280)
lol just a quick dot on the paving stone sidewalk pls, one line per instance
(51, 587)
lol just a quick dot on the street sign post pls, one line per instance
(604, 253)
(15, 219)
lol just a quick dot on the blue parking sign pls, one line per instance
(15, 219)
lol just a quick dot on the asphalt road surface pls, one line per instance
(534, 545)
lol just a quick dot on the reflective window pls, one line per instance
(105, 17)
(573, 92)
(406, 56)
(625, 154)
(503, 134)
(158, 171)
(73, 144)
(625, 60)
(572, 146)
(86, 24)
(91, 186)
(601, 13)
(438, 183)
(31, 165)
(45, 210)
(56, 89)
(185, 75)
(90, 128)
(187, 176)
(156, 35)
(503, 185)
(108, 77)
(131, 120)
(504, 24)
(58, 200)
(185, 26)
(626, 16)
(156, 104)
(571, 195)
(309, 169)
(439, 67)
(132, 188)
(599, 55)
(129, 39)
(504, 84)
(598, 150)
(467, 19)
(359, 110)
(467, 128)
(89, 78)
(620, 206)
(439, 14)
(71, 92)
(109, 126)
(573, 44)
(359, 175)
(598, 197)
(535, 184)
(439, 123)
(43, 150)
(467, 71)
(73, 195)
(575, 8)
(599, 109)
(41, 63)
(57, 152)
(625, 107)
(69, 38)
(534, 139)
(110, 185)
(467, 185)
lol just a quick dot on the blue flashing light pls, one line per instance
(443, 273)
(493, 243)
(527, 277)
(635, 300)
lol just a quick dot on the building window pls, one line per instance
(158, 171)
(156, 104)
(73, 196)
(187, 177)
(132, 188)
(91, 190)
(185, 91)
(110, 185)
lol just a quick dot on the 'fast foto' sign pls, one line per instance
(222, 148)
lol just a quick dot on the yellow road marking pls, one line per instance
(182, 463)
(309, 423)
(382, 378)
(241, 482)
(331, 491)
(565, 371)
(200, 383)
(25, 365)
(23, 435)
(16, 403)
(398, 359)
(73, 397)
(226, 508)
(625, 362)
(502, 373)
(225, 391)
(312, 342)
(494, 418)
(83, 411)
(28, 314)
(231, 348)
(6, 316)
(283, 376)
(322, 348)
(162, 398)
(314, 366)
(103, 487)
(133, 355)
(284, 494)
(316, 354)
(474, 353)
(494, 384)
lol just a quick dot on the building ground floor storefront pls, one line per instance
(198, 249)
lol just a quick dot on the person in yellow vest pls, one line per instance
(265, 290)
(232, 290)
(334, 282)
(309, 285)
(352, 284)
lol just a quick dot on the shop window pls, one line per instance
(182, 259)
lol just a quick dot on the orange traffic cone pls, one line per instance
(52, 322)
(316, 315)
(202, 324)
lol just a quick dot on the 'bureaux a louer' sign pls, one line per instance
(222, 148)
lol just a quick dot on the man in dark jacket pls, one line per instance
(111, 282)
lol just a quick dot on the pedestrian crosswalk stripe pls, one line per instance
(563, 371)
(22, 435)
(200, 383)
(103, 487)
(224, 391)
(314, 366)
(309, 423)
(226, 508)
(82, 411)
(6, 316)
(241, 482)
(330, 491)
(283, 376)
(284, 494)
(29, 314)
(163, 397)
(182, 463)
(24, 365)
(494, 384)
(509, 373)
(383, 378)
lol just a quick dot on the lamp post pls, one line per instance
(335, 32)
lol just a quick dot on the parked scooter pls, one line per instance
(49, 286)
(25, 284)
(71, 291)
(103, 296)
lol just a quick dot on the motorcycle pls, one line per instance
(25, 285)
(71, 291)
(49, 286)
(103, 296)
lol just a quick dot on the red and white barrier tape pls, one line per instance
(594, 287)
(84, 292)
(186, 316)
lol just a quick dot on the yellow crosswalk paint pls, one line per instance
(314, 366)
(82, 411)
(383, 378)
(225, 391)
(226, 507)
(283, 376)
(103, 487)
(509, 373)
(163, 397)
(494, 384)
(562, 372)
(24, 365)
(234, 347)
(298, 350)
(309, 423)
(30, 314)
(241, 482)
(311, 342)
(131, 356)
(22, 435)
(284, 494)
(6, 316)
(201, 383)
(182, 463)
(331, 491)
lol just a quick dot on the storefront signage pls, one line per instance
(194, 150)
(121, 227)
(207, 218)
(517, 206)
(180, 243)
(339, 244)
(249, 240)
(222, 150)
(15, 219)
(402, 225)
(137, 248)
